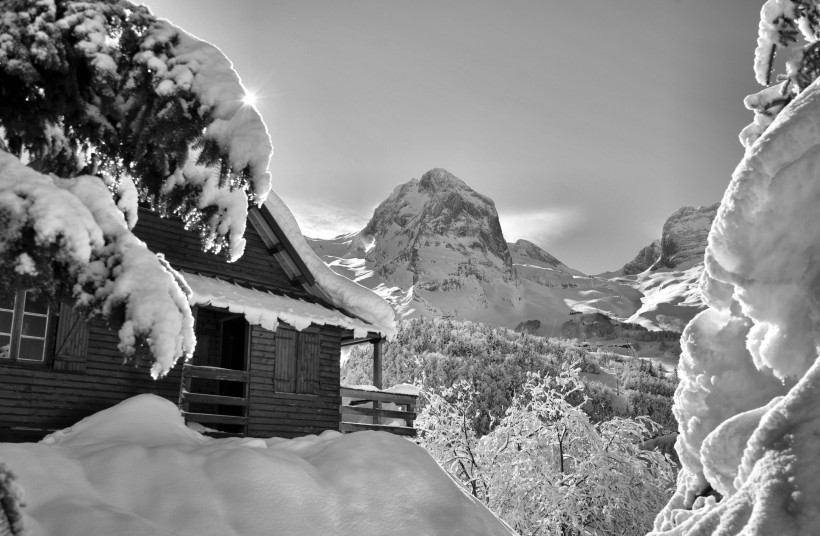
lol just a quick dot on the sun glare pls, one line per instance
(249, 99)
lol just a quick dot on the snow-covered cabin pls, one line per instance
(269, 329)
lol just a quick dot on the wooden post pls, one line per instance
(377, 364)
(377, 377)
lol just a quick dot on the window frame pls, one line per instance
(16, 335)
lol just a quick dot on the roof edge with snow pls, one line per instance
(266, 309)
(284, 240)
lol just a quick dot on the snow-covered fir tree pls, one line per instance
(102, 106)
(749, 371)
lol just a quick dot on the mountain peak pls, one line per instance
(438, 179)
(437, 231)
(525, 248)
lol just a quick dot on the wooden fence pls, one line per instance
(377, 410)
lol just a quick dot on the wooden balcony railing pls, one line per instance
(377, 410)
(213, 402)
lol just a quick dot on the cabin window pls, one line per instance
(296, 367)
(24, 324)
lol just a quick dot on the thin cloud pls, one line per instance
(318, 219)
(544, 228)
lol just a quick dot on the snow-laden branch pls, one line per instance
(106, 88)
(69, 232)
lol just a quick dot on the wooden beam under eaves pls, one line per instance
(283, 251)
(279, 246)
(371, 336)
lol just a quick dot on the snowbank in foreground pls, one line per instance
(136, 470)
(747, 402)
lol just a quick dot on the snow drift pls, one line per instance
(136, 470)
(750, 379)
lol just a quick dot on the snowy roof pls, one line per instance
(266, 309)
(362, 303)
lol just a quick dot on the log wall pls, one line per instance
(36, 400)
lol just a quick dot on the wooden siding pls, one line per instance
(44, 399)
(183, 250)
(77, 384)
(41, 398)
(291, 415)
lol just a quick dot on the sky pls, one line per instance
(588, 123)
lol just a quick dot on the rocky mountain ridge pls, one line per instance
(435, 248)
(682, 243)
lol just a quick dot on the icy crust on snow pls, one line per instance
(136, 470)
(342, 292)
(77, 226)
(750, 379)
(266, 309)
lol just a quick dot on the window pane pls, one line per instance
(5, 343)
(31, 349)
(6, 318)
(37, 304)
(34, 325)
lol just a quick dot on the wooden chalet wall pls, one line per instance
(44, 398)
(288, 414)
(269, 413)
(40, 399)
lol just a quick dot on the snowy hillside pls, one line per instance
(434, 248)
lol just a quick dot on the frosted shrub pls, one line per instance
(545, 468)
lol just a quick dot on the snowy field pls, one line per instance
(137, 470)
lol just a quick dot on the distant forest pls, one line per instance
(495, 361)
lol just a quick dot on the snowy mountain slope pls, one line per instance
(435, 248)
(533, 263)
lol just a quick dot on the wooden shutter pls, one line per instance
(71, 342)
(307, 378)
(284, 368)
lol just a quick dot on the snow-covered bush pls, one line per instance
(546, 468)
(747, 402)
(103, 105)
